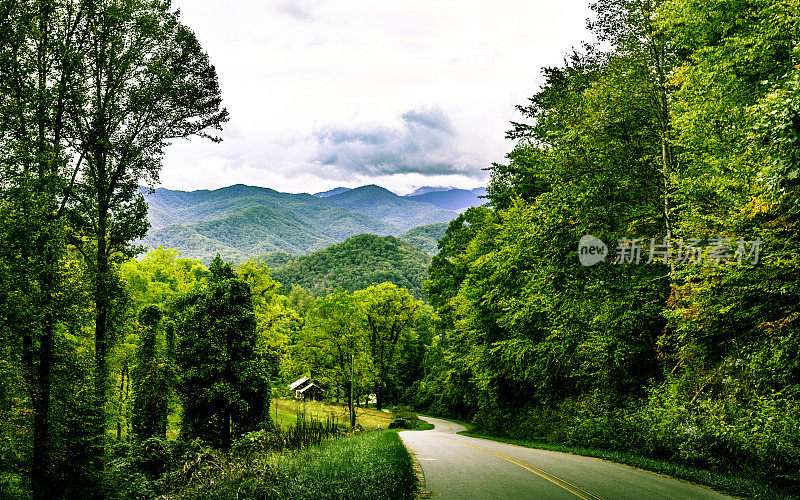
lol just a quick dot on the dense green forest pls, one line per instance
(124, 378)
(356, 264)
(682, 133)
(175, 390)
(426, 238)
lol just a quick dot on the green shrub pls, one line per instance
(11, 486)
(400, 423)
(123, 481)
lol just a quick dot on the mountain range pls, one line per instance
(241, 222)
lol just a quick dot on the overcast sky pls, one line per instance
(402, 94)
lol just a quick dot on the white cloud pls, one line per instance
(425, 142)
(297, 78)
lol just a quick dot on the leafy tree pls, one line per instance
(686, 126)
(160, 275)
(145, 80)
(37, 77)
(390, 315)
(224, 384)
(276, 318)
(334, 345)
(151, 377)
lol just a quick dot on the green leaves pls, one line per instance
(224, 385)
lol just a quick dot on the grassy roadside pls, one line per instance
(372, 465)
(732, 484)
(414, 423)
(363, 466)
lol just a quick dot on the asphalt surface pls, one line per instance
(462, 467)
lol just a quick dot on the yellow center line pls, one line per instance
(539, 472)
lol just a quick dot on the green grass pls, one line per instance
(372, 465)
(728, 483)
(287, 411)
(363, 466)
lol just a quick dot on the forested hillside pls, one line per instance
(258, 230)
(426, 238)
(678, 147)
(241, 222)
(355, 264)
(452, 199)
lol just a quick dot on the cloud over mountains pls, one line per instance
(424, 142)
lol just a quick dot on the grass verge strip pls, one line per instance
(364, 466)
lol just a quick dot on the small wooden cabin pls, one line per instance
(307, 388)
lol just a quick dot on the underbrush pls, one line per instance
(310, 459)
(284, 412)
(407, 419)
(361, 466)
(163, 467)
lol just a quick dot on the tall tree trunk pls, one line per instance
(122, 399)
(379, 396)
(102, 306)
(350, 395)
(226, 429)
(40, 470)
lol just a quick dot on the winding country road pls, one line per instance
(462, 467)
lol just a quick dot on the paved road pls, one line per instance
(462, 467)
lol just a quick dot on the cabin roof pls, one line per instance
(297, 383)
(309, 386)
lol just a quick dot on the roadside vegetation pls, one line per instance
(677, 135)
(368, 466)
(164, 412)
(307, 459)
(733, 484)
